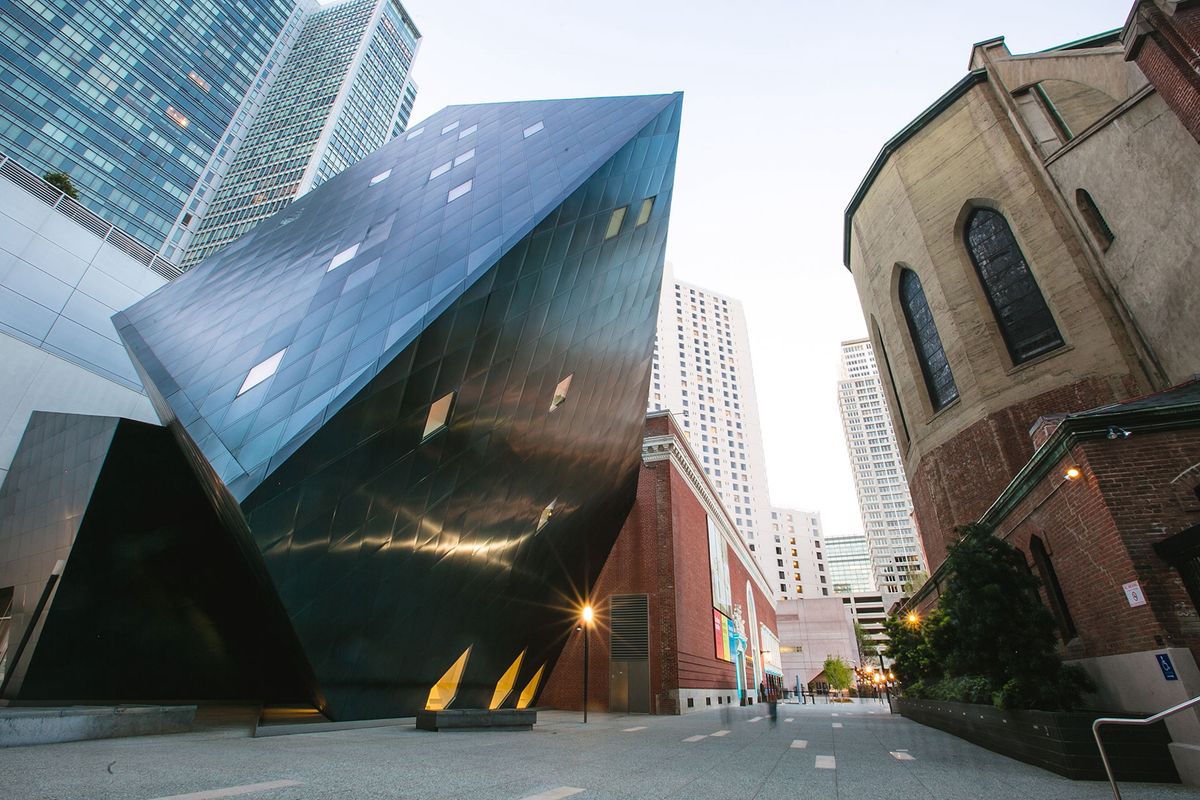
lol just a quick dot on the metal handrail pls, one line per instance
(1130, 721)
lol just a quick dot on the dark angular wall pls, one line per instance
(156, 601)
(392, 555)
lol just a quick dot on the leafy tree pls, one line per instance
(991, 634)
(838, 673)
(914, 581)
(62, 182)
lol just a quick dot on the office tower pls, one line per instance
(702, 373)
(883, 497)
(849, 562)
(344, 90)
(405, 423)
(796, 541)
(132, 99)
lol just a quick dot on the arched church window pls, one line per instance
(932, 356)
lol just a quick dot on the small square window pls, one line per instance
(343, 257)
(644, 212)
(465, 157)
(458, 191)
(614, 222)
(465, 132)
(534, 128)
(439, 413)
(414, 134)
(560, 392)
(261, 371)
(450, 127)
(547, 513)
(440, 170)
(383, 176)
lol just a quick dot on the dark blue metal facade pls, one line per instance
(493, 252)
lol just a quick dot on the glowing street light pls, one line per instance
(586, 615)
(912, 619)
(1073, 473)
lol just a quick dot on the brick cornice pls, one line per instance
(676, 449)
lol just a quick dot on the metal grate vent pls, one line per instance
(629, 618)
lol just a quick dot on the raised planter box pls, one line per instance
(1059, 741)
(456, 719)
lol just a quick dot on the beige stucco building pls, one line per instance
(1099, 184)
(1025, 251)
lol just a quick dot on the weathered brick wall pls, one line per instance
(959, 480)
(1169, 58)
(640, 563)
(662, 551)
(1099, 533)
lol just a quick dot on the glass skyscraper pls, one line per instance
(344, 91)
(134, 99)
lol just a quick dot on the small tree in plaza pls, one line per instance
(838, 673)
(991, 638)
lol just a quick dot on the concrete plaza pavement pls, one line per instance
(821, 751)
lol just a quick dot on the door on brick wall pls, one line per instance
(1182, 551)
(629, 656)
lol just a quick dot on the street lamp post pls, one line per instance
(586, 616)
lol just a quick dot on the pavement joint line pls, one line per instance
(554, 794)
(826, 762)
(696, 738)
(233, 791)
(636, 728)
(799, 744)
(720, 733)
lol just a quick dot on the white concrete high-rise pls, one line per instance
(344, 90)
(703, 374)
(883, 497)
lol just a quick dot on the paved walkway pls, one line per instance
(823, 751)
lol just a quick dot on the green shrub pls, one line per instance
(991, 640)
(62, 182)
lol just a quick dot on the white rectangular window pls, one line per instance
(383, 176)
(534, 128)
(342, 257)
(560, 392)
(614, 222)
(441, 169)
(465, 132)
(458, 191)
(439, 415)
(644, 212)
(465, 157)
(261, 372)
(414, 134)
(450, 127)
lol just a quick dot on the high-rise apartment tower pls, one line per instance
(703, 374)
(344, 91)
(883, 497)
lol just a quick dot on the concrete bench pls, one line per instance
(26, 726)
(455, 719)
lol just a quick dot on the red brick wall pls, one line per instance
(1099, 532)
(1168, 57)
(957, 481)
(662, 551)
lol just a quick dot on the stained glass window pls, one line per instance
(1021, 311)
(934, 365)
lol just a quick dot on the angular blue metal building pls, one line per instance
(413, 401)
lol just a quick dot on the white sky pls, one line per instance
(785, 106)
